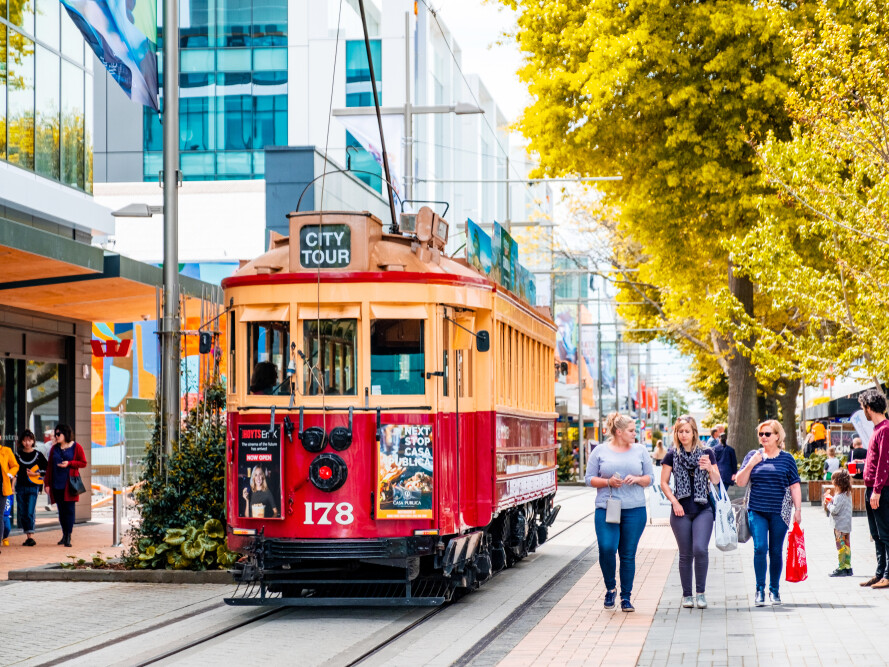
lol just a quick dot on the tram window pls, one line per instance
(397, 357)
(268, 345)
(336, 365)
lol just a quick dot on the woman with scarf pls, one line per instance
(693, 467)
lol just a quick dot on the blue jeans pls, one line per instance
(26, 499)
(7, 515)
(768, 531)
(620, 538)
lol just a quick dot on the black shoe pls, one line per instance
(68, 541)
(61, 542)
(841, 572)
(29, 542)
(609, 599)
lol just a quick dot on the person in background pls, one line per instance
(772, 474)
(659, 453)
(9, 468)
(715, 434)
(32, 468)
(819, 436)
(839, 509)
(66, 458)
(726, 460)
(832, 464)
(620, 469)
(876, 476)
(693, 467)
(859, 454)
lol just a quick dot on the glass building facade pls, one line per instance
(233, 89)
(46, 96)
(359, 93)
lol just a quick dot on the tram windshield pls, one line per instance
(397, 357)
(268, 344)
(335, 366)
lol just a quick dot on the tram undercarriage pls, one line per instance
(423, 571)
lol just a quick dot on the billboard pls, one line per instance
(259, 472)
(404, 472)
(478, 248)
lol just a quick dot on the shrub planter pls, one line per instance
(59, 573)
(815, 490)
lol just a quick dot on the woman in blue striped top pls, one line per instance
(774, 486)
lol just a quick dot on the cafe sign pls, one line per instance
(325, 246)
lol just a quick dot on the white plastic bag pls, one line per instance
(660, 507)
(725, 529)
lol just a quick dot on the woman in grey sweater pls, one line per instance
(839, 509)
(620, 469)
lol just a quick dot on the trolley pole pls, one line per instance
(169, 333)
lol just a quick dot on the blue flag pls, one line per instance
(123, 34)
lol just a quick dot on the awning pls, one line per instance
(276, 313)
(329, 312)
(58, 276)
(386, 311)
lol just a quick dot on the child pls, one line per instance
(832, 464)
(839, 508)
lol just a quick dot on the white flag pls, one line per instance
(366, 130)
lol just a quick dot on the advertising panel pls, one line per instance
(404, 472)
(259, 472)
(478, 248)
(506, 258)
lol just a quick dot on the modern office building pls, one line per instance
(54, 283)
(264, 74)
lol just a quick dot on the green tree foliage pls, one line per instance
(666, 94)
(824, 248)
(188, 488)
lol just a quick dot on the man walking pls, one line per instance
(876, 476)
(726, 460)
(716, 432)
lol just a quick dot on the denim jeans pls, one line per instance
(26, 499)
(768, 531)
(620, 539)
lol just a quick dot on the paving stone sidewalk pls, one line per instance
(824, 620)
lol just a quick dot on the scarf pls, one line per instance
(687, 463)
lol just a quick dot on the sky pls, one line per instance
(478, 27)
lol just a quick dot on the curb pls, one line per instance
(55, 572)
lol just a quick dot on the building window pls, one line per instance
(233, 100)
(48, 106)
(359, 93)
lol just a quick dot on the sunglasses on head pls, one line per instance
(765, 434)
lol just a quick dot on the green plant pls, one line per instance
(97, 562)
(182, 497)
(810, 468)
(565, 462)
(190, 548)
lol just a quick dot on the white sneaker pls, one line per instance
(701, 601)
(688, 602)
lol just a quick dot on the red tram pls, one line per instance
(391, 434)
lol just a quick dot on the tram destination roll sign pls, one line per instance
(325, 246)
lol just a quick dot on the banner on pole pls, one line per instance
(123, 35)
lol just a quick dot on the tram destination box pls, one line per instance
(333, 241)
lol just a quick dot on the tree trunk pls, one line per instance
(788, 414)
(742, 404)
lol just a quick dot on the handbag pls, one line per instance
(75, 484)
(725, 525)
(612, 507)
(797, 569)
(740, 508)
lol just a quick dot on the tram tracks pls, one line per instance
(219, 632)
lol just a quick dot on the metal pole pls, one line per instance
(581, 443)
(508, 212)
(408, 116)
(116, 506)
(373, 84)
(169, 332)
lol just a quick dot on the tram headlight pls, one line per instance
(313, 439)
(340, 438)
(328, 472)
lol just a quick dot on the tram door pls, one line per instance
(446, 426)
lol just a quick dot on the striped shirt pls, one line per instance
(768, 481)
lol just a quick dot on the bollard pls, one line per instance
(117, 511)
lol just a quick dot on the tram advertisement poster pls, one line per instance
(259, 472)
(478, 248)
(505, 253)
(404, 472)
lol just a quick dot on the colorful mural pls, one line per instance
(115, 379)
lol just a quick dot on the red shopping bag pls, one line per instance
(796, 555)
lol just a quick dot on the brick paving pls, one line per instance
(824, 621)
(578, 631)
(86, 540)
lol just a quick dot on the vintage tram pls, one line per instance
(391, 434)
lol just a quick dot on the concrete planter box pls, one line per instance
(58, 573)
